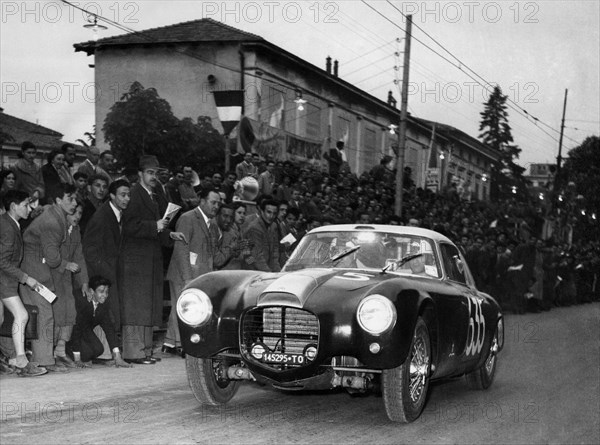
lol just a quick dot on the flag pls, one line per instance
(229, 108)
(246, 135)
(276, 117)
(344, 139)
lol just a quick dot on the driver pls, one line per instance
(417, 264)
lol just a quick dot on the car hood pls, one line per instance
(299, 288)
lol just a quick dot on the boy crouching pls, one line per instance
(85, 344)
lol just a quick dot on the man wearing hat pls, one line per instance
(144, 231)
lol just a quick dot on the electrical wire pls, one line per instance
(464, 65)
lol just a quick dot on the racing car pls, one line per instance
(370, 308)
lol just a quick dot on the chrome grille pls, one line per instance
(281, 329)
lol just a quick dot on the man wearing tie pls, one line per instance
(144, 230)
(102, 242)
(191, 258)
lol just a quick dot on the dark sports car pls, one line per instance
(364, 307)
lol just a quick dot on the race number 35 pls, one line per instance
(476, 332)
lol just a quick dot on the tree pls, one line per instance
(90, 138)
(140, 124)
(496, 133)
(143, 123)
(582, 170)
(209, 152)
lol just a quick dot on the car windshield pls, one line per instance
(383, 251)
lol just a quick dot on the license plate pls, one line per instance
(287, 359)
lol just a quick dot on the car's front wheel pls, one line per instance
(208, 380)
(483, 377)
(405, 388)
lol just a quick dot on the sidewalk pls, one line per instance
(93, 389)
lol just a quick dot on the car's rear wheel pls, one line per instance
(404, 388)
(208, 380)
(483, 376)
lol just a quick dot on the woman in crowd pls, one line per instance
(51, 171)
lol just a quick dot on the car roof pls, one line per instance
(400, 230)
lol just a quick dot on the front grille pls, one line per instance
(285, 330)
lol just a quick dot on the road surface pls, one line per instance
(546, 391)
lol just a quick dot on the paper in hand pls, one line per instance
(171, 211)
(288, 239)
(46, 293)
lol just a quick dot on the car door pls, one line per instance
(461, 319)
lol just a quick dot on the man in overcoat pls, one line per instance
(144, 230)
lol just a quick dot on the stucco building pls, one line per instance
(187, 62)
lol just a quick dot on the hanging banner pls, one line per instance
(303, 150)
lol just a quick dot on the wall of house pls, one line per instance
(270, 83)
(180, 79)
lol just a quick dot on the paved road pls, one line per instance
(546, 391)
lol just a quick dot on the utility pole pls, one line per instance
(562, 130)
(403, 120)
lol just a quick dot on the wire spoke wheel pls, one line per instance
(405, 387)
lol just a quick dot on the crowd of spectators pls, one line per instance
(249, 218)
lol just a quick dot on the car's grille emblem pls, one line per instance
(280, 337)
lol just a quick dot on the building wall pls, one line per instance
(270, 84)
(180, 79)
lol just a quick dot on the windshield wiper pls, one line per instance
(346, 252)
(401, 261)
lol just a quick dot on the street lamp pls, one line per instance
(94, 26)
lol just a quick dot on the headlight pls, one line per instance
(194, 307)
(376, 314)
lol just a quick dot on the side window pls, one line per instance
(453, 264)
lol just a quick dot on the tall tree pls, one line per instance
(496, 133)
(140, 124)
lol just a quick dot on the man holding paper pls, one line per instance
(192, 258)
(42, 259)
(144, 231)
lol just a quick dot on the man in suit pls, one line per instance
(16, 203)
(42, 258)
(102, 242)
(98, 186)
(191, 258)
(90, 164)
(142, 264)
(85, 345)
(262, 234)
(246, 168)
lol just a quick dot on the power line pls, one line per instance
(462, 64)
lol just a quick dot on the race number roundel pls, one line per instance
(476, 330)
